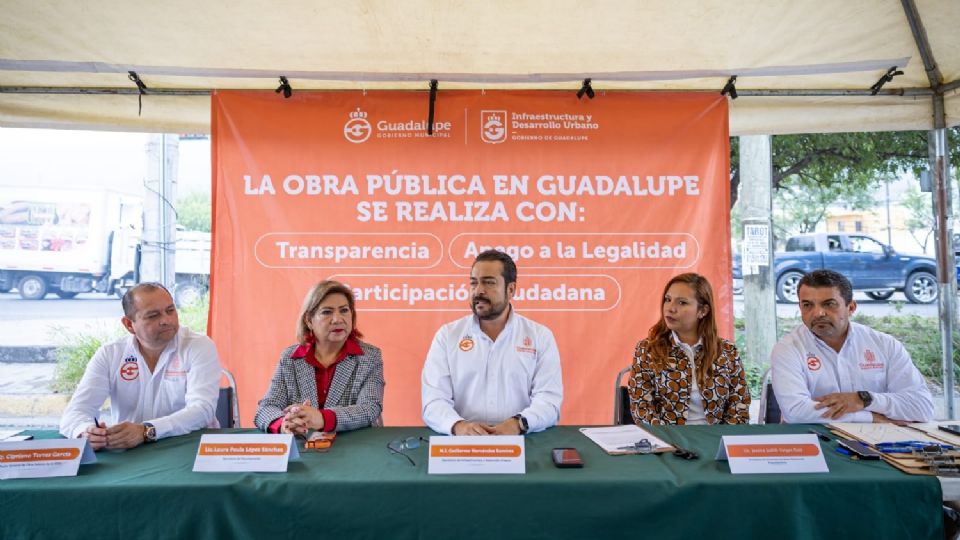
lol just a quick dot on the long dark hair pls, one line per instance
(659, 336)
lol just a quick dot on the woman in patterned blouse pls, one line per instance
(329, 380)
(683, 373)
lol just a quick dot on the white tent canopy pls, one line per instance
(802, 65)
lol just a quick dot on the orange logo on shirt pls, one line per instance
(175, 369)
(870, 361)
(466, 344)
(527, 346)
(813, 363)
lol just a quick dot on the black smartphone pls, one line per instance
(859, 449)
(953, 429)
(566, 458)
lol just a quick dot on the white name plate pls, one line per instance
(477, 455)
(245, 453)
(44, 458)
(750, 454)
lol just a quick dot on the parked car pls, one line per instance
(872, 266)
(737, 275)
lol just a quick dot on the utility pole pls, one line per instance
(889, 225)
(159, 217)
(756, 188)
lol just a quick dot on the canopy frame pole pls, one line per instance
(786, 92)
(942, 204)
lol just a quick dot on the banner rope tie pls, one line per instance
(433, 101)
(132, 75)
(284, 87)
(586, 88)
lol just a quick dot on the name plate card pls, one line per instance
(44, 458)
(477, 455)
(751, 454)
(245, 453)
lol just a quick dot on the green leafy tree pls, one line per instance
(800, 207)
(919, 220)
(736, 222)
(193, 212)
(819, 160)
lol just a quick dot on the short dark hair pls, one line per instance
(130, 296)
(828, 278)
(509, 267)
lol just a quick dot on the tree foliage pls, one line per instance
(798, 209)
(817, 160)
(816, 170)
(919, 220)
(193, 212)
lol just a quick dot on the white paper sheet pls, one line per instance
(613, 439)
(881, 433)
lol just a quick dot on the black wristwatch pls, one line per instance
(524, 427)
(865, 397)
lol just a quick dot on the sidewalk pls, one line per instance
(26, 399)
(27, 366)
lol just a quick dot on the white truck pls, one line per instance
(72, 241)
(192, 264)
(67, 241)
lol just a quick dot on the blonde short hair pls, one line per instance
(311, 302)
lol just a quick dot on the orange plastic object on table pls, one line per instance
(320, 441)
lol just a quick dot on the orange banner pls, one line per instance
(599, 201)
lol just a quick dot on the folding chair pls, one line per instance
(621, 401)
(769, 408)
(228, 408)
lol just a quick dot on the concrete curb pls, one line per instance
(28, 355)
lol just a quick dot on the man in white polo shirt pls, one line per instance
(162, 380)
(834, 370)
(494, 372)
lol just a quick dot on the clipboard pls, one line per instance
(613, 439)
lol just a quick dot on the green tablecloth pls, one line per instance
(360, 490)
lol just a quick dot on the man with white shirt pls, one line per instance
(834, 370)
(494, 372)
(162, 380)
